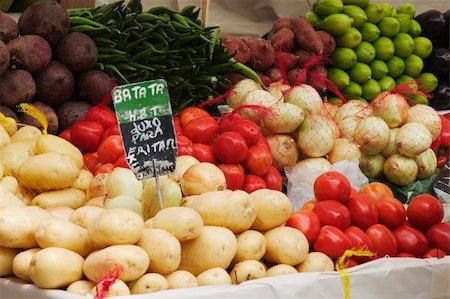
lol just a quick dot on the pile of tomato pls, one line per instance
(97, 136)
(341, 218)
(233, 143)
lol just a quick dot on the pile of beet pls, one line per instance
(43, 64)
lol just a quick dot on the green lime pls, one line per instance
(327, 7)
(365, 52)
(334, 100)
(361, 99)
(384, 48)
(356, 13)
(406, 8)
(343, 58)
(352, 91)
(379, 69)
(370, 89)
(389, 26)
(413, 65)
(339, 77)
(360, 73)
(396, 66)
(386, 83)
(374, 12)
(404, 45)
(349, 39)
(415, 29)
(405, 78)
(313, 18)
(360, 3)
(405, 22)
(336, 24)
(422, 47)
(418, 99)
(369, 32)
(387, 9)
(427, 82)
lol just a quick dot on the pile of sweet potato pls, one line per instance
(286, 48)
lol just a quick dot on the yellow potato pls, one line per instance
(2, 170)
(10, 183)
(69, 197)
(286, 245)
(273, 208)
(184, 223)
(148, 223)
(25, 132)
(247, 270)
(4, 137)
(10, 126)
(163, 248)
(116, 227)
(83, 181)
(53, 267)
(50, 143)
(25, 195)
(6, 260)
(280, 269)
(21, 264)
(48, 171)
(132, 259)
(118, 288)
(83, 215)
(181, 279)
(214, 276)
(80, 287)
(215, 247)
(14, 155)
(8, 199)
(149, 283)
(56, 232)
(251, 245)
(97, 187)
(316, 262)
(61, 212)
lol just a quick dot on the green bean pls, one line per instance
(112, 68)
(87, 28)
(85, 21)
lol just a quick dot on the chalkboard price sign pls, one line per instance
(146, 125)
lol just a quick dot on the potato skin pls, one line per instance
(283, 39)
(263, 54)
(251, 245)
(4, 57)
(235, 44)
(9, 29)
(77, 51)
(150, 283)
(68, 197)
(247, 270)
(21, 264)
(17, 86)
(286, 245)
(80, 287)
(329, 44)
(51, 143)
(93, 85)
(214, 276)
(83, 215)
(273, 208)
(6, 260)
(30, 52)
(181, 279)
(184, 223)
(307, 37)
(70, 112)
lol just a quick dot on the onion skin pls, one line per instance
(413, 139)
(427, 163)
(372, 135)
(315, 137)
(284, 150)
(400, 170)
(391, 107)
(286, 118)
(240, 91)
(344, 149)
(391, 148)
(372, 165)
(349, 115)
(182, 164)
(202, 177)
(306, 97)
(314, 163)
(257, 97)
(426, 116)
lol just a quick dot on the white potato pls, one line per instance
(83, 181)
(21, 264)
(247, 270)
(149, 283)
(68, 197)
(2, 170)
(123, 181)
(83, 215)
(10, 126)
(53, 267)
(316, 262)
(215, 247)
(25, 195)
(4, 137)
(184, 223)
(10, 183)
(56, 232)
(6, 260)
(181, 279)
(251, 245)
(286, 245)
(118, 288)
(15, 154)
(80, 287)
(25, 132)
(51, 143)
(9, 199)
(116, 227)
(132, 259)
(97, 188)
(280, 269)
(61, 212)
(125, 202)
(214, 276)
(273, 208)
(148, 223)
(163, 248)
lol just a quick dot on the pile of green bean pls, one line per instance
(160, 43)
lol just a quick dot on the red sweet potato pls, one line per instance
(307, 37)
(9, 29)
(16, 86)
(30, 52)
(283, 40)
(303, 57)
(4, 58)
(328, 41)
(317, 70)
(263, 54)
(281, 23)
(237, 45)
(286, 60)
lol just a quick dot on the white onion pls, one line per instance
(305, 97)
(334, 127)
(315, 163)
(427, 163)
(202, 177)
(285, 118)
(349, 115)
(400, 170)
(391, 148)
(372, 165)
(330, 109)
(372, 135)
(284, 150)
(344, 149)
(426, 116)
(413, 139)
(182, 164)
(124, 202)
(122, 181)
(392, 108)
(257, 97)
(277, 89)
(240, 90)
(170, 193)
(315, 136)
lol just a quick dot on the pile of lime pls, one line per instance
(377, 46)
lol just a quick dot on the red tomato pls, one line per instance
(86, 135)
(307, 222)
(363, 211)
(383, 240)
(439, 236)
(353, 192)
(248, 129)
(332, 241)
(258, 160)
(424, 211)
(376, 190)
(110, 150)
(184, 145)
(405, 254)
(410, 240)
(176, 120)
(332, 212)
(102, 115)
(190, 113)
(350, 263)
(114, 130)
(204, 153)
(253, 182)
(273, 179)
(227, 120)
(65, 134)
(332, 185)
(230, 147)
(263, 141)
(391, 212)
(359, 238)
(201, 130)
(122, 162)
(105, 168)
(234, 175)
(434, 253)
(309, 205)
(91, 161)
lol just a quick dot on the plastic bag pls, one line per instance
(300, 187)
